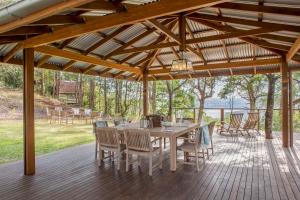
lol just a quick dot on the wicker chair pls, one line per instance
(98, 124)
(108, 140)
(156, 120)
(234, 125)
(138, 142)
(250, 124)
(194, 146)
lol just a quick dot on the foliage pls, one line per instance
(249, 87)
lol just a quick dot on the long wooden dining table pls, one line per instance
(171, 132)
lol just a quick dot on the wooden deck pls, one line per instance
(249, 169)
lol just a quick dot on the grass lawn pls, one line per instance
(48, 138)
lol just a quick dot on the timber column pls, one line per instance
(285, 102)
(28, 101)
(145, 92)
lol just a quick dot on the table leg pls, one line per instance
(173, 153)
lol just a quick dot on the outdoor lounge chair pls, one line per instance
(234, 125)
(138, 142)
(108, 140)
(250, 124)
(98, 124)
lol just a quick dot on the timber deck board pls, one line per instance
(252, 168)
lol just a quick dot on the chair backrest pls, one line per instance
(185, 119)
(87, 112)
(108, 137)
(99, 124)
(155, 120)
(76, 111)
(138, 140)
(118, 122)
(236, 120)
(211, 127)
(251, 121)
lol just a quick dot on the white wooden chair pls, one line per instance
(211, 127)
(108, 140)
(194, 146)
(98, 124)
(138, 142)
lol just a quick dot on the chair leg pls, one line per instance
(212, 147)
(100, 157)
(197, 160)
(127, 161)
(160, 155)
(203, 156)
(207, 153)
(96, 150)
(150, 165)
(165, 142)
(118, 160)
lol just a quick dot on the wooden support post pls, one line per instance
(145, 93)
(291, 130)
(28, 93)
(285, 102)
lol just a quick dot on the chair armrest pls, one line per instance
(157, 139)
(184, 138)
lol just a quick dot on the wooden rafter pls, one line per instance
(79, 57)
(275, 48)
(135, 39)
(265, 25)
(226, 65)
(51, 10)
(72, 70)
(234, 34)
(293, 50)
(260, 8)
(133, 15)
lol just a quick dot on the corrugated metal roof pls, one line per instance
(213, 51)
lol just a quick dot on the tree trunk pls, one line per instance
(153, 97)
(105, 98)
(42, 91)
(80, 91)
(201, 109)
(118, 97)
(92, 94)
(170, 109)
(270, 106)
(56, 84)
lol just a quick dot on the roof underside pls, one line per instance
(238, 37)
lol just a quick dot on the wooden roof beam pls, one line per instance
(98, 5)
(133, 15)
(88, 59)
(165, 30)
(27, 30)
(293, 50)
(41, 14)
(260, 8)
(265, 25)
(225, 65)
(236, 33)
(56, 20)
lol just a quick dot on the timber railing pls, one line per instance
(221, 114)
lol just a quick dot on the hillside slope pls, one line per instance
(11, 104)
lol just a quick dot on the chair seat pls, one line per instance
(155, 149)
(122, 147)
(188, 147)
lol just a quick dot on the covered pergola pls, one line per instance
(137, 40)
